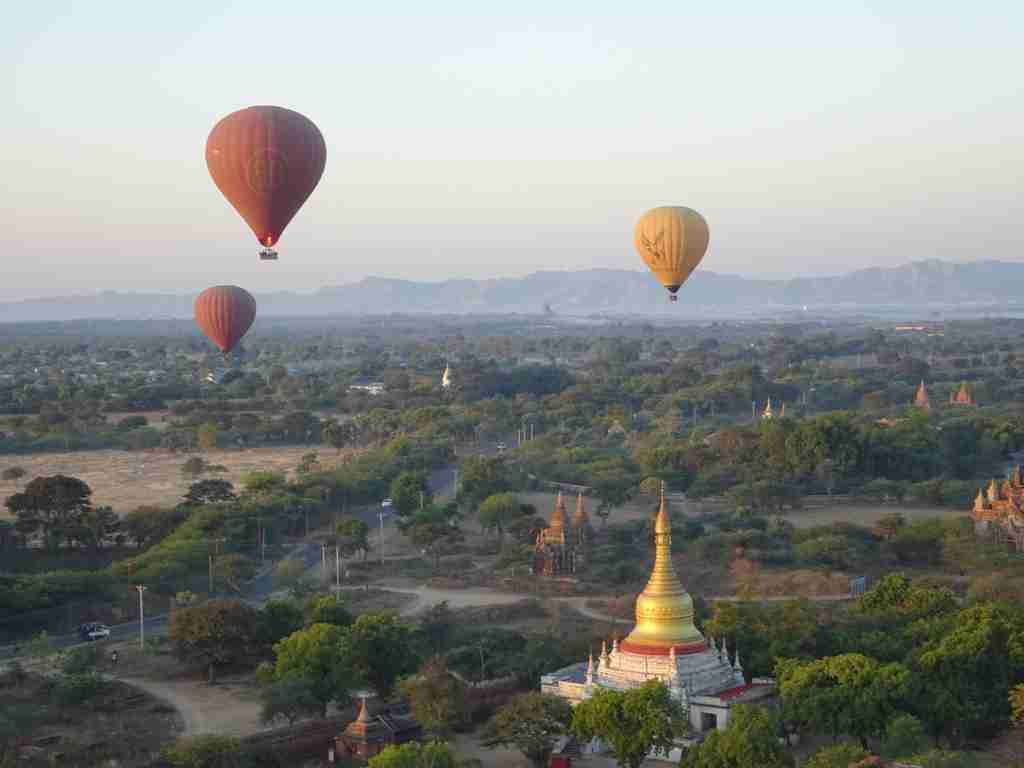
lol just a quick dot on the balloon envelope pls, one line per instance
(266, 161)
(672, 241)
(224, 313)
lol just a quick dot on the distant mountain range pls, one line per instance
(985, 285)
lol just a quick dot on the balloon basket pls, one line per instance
(673, 297)
(268, 254)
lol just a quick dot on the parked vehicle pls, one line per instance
(93, 631)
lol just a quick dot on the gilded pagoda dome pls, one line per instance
(664, 610)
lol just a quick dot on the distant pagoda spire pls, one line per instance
(921, 399)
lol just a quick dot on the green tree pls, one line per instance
(290, 574)
(96, 526)
(837, 756)
(207, 751)
(329, 610)
(847, 694)
(216, 633)
(964, 676)
(310, 463)
(148, 525)
(206, 436)
(338, 435)
(904, 737)
(352, 535)
(264, 483)
(750, 741)
(378, 647)
(481, 477)
(498, 511)
(632, 723)
(315, 656)
(50, 506)
(409, 492)
(432, 531)
(437, 699)
(1016, 698)
(437, 626)
(613, 487)
(433, 754)
(278, 619)
(288, 699)
(531, 723)
(211, 491)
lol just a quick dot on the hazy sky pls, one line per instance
(815, 136)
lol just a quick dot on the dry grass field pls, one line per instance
(125, 480)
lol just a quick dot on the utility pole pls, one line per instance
(211, 558)
(142, 620)
(380, 514)
(337, 566)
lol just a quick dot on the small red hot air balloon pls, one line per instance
(266, 161)
(224, 313)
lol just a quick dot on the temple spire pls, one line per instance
(364, 715)
(664, 610)
(921, 399)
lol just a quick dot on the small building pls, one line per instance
(368, 735)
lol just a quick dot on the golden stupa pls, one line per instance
(556, 530)
(664, 610)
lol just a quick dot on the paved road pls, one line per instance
(256, 590)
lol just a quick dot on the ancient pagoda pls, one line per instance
(962, 397)
(665, 645)
(446, 377)
(921, 398)
(560, 550)
(998, 511)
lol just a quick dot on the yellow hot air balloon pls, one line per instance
(671, 240)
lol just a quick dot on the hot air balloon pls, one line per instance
(266, 161)
(224, 313)
(671, 241)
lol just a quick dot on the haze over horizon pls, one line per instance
(466, 144)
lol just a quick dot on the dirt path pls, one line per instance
(229, 708)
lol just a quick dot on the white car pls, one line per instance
(94, 631)
(386, 503)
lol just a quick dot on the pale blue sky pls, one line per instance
(816, 137)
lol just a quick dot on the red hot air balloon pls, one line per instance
(224, 313)
(266, 161)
